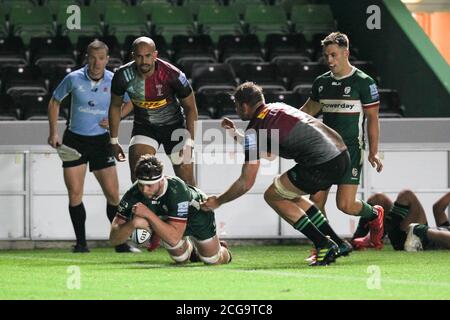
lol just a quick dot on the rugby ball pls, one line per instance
(140, 236)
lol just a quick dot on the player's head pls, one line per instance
(97, 58)
(247, 98)
(336, 52)
(144, 54)
(149, 174)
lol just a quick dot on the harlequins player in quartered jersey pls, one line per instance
(154, 98)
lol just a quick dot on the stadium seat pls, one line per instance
(23, 81)
(8, 111)
(287, 47)
(47, 52)
(213, 77)
(90, 21)
(239, 47)
(216, 105)
(369, 68)
(263, 74)
(216, 20)
(170, 21)
(312, 18)
(300, 75)
(103, 5)
(390, 105)
(35, 107)
(31, 22)
(55, 74)
(263, 20)
(122, 21)
(195, 5)
(12, 52)
(56, 5)
(293, 99)
(240, 5)
(3, 26)
(188, 50)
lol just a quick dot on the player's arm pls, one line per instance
(127, 107)
(231, 129)
(114, 116)
(311, 107)
(439, 210)
(171, 231)
(53, 113)
(122, 228)
(373, 133)
(243, 184)
(190, 110)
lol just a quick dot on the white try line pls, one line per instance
(256, 272)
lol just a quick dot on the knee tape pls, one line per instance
(282, 191)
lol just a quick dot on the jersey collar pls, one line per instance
(346, 76)
(86, 74)
(166, 183)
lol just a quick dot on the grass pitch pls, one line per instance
(257, 272)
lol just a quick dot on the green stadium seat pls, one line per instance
(90, 23)
(312, 18)
(170, 21)
(55, 5)
(241, 5)
(194, 5)
(8, 5)
(102, 5)
(263, 20)
(123, 21)
(3, 26)
(217, 20)
(288, 4)
(31, 22)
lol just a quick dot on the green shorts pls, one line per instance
(353, 173)
(201, 225)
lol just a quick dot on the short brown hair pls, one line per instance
(97, 45)
(249, 93)
(338, 38)
(148, 167)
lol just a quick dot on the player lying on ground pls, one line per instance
(171, 208)
(406, 224)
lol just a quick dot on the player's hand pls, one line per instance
(228, 124)
(140, 223)
(118, 153)
(210, 204)
(104, 123)
(140, 210)
(53, 141)
(375, 162)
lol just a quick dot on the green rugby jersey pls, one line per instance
(176, 203)
(343, 103)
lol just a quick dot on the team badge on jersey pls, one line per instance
(320, 89)
(374, 91)
(347, 90)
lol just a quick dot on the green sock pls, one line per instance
(318, 219)
(305, 226)
(421, 231)
(367, 211)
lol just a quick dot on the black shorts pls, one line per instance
(398, 237)
(94, 149)
(319, 177)
(162, 134)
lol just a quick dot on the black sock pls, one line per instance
(111, 211)
(305, 226)
(363, 228)
(321, 223)
(395, 216)
(78, 217)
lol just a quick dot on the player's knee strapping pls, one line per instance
(282, 191)
(183, 257)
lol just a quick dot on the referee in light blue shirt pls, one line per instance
(87, 133)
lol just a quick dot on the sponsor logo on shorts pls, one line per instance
(110, 160)
(123, 205)
(354, 172)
